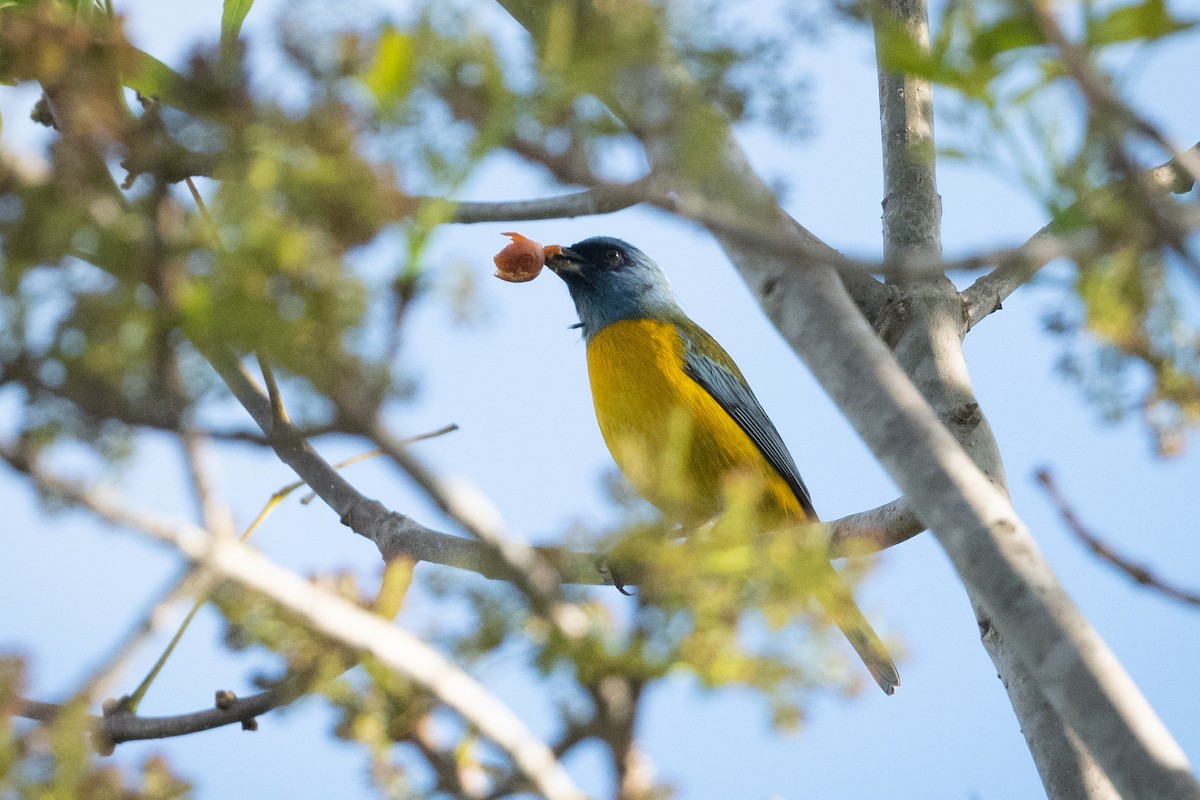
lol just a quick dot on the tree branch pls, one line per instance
(1067, 769)
(679, 198)
(873, 530)
(976, 524)
(341, 621)
(600, 199)
(928, 346)
(125, 727)
(1018, 266)
(534, 575)
(1139, 574)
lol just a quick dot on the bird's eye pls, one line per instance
(614, 258)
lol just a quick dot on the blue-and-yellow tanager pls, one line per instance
(654, 372)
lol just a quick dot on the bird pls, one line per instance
(651, 368)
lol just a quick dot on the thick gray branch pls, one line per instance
(874, 530)
(912, 207)
(928, 346)
(990, 547)
(1067, 770)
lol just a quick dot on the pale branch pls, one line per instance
(257, 438)
(401, 652)
(535, 576)
(214, 514)
(760, 232)
(991, 549)
(928, 347)
(912, 207)
(525, 568)
(600, 199)
(399, 536)
(1138, 573)
(676, 198)
(576, 733)
(927, 337)
(396, 535)
(341, 621)
(874, 530)
(1014, 265)
(1067, 769)
(988, 293)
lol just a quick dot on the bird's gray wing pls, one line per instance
(707, 363)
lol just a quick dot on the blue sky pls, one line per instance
(514, 380)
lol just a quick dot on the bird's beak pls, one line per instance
(563, 261)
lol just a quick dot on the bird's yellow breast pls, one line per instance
(674, 442)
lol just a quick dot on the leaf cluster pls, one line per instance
(1138, 350)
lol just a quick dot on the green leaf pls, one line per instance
(391, 76)
(153, 78)
(1010, 33)
(1146, 21)
(232, 16)
(899, 53)
(954, 154)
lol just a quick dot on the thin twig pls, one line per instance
(1139, 574)
(104, 677)
(419, 437)
(534, 575)
(215, 515)
(278, 411)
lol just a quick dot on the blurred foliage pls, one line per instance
(109, 294)
(1138, 351)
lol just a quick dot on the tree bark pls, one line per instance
(927, 334)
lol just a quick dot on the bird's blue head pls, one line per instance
(610, 281)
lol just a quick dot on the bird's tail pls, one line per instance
(839, 603)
